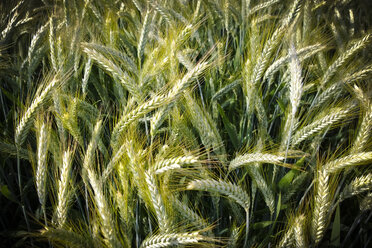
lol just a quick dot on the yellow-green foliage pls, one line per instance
(140, 123)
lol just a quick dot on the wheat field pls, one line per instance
(185, 123)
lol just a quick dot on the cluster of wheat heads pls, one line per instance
(185, 123)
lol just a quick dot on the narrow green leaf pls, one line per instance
(336, 227)
(230, 128)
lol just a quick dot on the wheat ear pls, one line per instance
(100, 200)
(299, 232)
(70, 238)
(343, 58)
(364, 132)
(357, 186)
(232, 191)
(321, 206)
(261, 6)
(350, 160)
(144, 35)
(157, 202)
(366, 203)
(189, 214)
(317, 126)
(250, 158)
(27, 118)
(63, 188)
(41, 171)
(172, 239)
(173, 163)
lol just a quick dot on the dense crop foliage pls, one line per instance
(185, 123)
